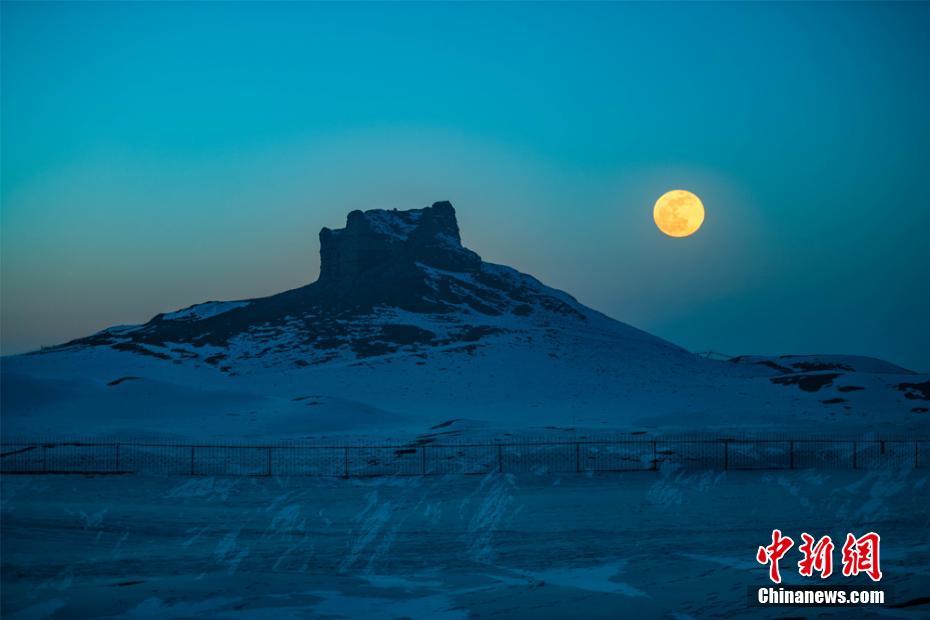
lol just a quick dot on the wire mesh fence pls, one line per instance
(419, 459)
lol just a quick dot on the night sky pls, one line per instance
(159, 155)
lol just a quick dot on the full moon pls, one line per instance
(678, 213)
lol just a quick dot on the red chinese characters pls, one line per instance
(817, 556)
(773, 553)
(860, 555)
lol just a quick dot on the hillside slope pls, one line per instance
(405, 329)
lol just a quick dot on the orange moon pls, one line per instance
(678, 213)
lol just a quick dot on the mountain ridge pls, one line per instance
(406, 328)
(411, 260)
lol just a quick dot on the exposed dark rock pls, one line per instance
(915, 391)
(817, 366)
(791, 364)
(474, 334)
(807, 383)
(135, 348)
(775, 366)
(122, 379)
(406, 334)
(378, 244)
(371, 348)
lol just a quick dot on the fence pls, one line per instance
(477, 458)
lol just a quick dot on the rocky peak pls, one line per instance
(380, 243)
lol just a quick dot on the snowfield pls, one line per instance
(512, 382)
(668, 544)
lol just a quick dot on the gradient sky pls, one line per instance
(158, 155)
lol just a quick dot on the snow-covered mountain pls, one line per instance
(406, 328)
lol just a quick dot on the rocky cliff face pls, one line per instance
(378, 243)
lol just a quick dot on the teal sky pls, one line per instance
(158, 155)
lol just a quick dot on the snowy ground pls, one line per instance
(580, 382)
(673, 544)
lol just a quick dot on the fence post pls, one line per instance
(655, 457)
(791, 456)
(577, 457)
(117, 458)
(192, 460)
(500, 459)
(44, 459)
(346, 462)
(854, 457)
(423, 460)
(916, 453)
(726, 455)
(269, 461)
